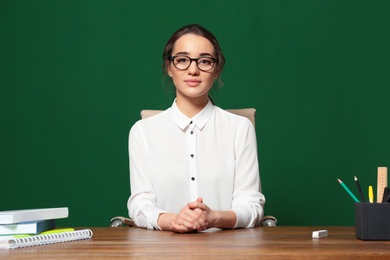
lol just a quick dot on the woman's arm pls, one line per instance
(142, 202)
(248, 201)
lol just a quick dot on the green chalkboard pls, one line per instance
(75, 74)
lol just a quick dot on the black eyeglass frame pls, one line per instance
(193, 59)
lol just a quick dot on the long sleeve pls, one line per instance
(142, 203)
(248, 201)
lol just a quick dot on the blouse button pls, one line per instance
(192, 178)
(190, 122)
(192, 132)
(192, 156)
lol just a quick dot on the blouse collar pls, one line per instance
(198, 120)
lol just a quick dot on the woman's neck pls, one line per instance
(191, 106)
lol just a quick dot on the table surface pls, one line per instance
(279, 242)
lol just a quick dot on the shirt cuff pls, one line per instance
(242, 218)
(246, 218)
(155, 214)
(148, 218)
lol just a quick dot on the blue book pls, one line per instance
(32, 227)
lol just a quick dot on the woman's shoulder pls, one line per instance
(231, 118)
(151, 118)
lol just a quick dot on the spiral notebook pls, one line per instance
(46, 239)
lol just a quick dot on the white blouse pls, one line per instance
(175, 159)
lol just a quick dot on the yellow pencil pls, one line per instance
(370, 194)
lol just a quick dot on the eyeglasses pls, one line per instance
(184, 62)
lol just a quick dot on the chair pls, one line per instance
(250, 113)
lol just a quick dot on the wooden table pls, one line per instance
(265, 242)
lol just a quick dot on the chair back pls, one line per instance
(249, 113)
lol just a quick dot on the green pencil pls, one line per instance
(349, 192)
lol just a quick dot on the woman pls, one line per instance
(194, 166)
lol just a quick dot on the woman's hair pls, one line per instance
(197, 30)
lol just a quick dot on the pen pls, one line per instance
(349, 192)
(359, 189)
(370, 194)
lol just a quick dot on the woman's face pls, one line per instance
(192, 82)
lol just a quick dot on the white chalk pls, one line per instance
(320, 234)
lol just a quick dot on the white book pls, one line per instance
(25, 215)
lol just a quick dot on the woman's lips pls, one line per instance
(192, 83)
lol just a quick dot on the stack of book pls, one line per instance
(14, 223)
(34, 227)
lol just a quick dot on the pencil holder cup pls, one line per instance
(372, 221)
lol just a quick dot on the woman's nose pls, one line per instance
(193, 68)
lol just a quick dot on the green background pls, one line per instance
(74, 75)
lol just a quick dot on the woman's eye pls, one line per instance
(181, 60)
(205, 61)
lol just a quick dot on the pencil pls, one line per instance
(370, 194)
(348, 190)
(359, 189)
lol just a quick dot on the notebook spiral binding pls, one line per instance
(50, 239)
